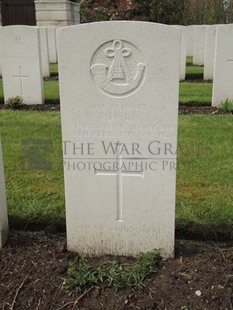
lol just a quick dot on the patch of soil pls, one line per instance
(33, 265)
(194, 109)
(54, 105)
(51, 105)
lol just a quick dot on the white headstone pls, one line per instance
(189, 32)
(199, 45)
(183, 53)
(52, 41)
(119, 88)
(223, 66)
(210, 52)
(3, 206)
(21, 63)
(44, 51)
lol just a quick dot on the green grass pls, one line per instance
(204, 183)
(51, 90)
(193, 72)
(198, 93)
(189, 61)
(1, 91)
(54, 69)
(31, 194)
(82, 274)
(227, 105)
(198, 70)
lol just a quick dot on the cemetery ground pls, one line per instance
(37, 272)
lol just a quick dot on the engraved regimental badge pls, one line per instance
(118, 68)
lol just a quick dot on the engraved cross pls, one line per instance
(20, 76)
(18, 39)
(119, 173)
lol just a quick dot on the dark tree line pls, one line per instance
(183, 12)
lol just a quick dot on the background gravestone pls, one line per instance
(223, 66)
(189, 33)
(21, 63)
(52, 43)
(183, 53)
(44, 51)
(210, 52)
(3, 206)
(199, 44)
(119, 87)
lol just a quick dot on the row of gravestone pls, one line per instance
(213, 48)
(199, 41)
(26, 53)
(25, 56)
(47, 45)
(119, 90)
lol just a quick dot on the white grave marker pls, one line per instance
(44, 51)
(183, 53)
(52, 43)
(210, 52)
(21, 63)
(119, 101)
(223, 66)
(199, 45)
(189, 32)
(3, 206)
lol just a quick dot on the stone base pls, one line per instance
(57, 13)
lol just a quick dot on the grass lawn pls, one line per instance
(51, 90)
(193, 72)
(189, 61)
(199, 93)
(32, 194)
(204, 181)
(54, 69)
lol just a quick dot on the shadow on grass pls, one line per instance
(195, 104)
(187, 230)
(194, 76)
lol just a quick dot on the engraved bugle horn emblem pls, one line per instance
(117, 78)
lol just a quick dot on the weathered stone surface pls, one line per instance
(44, 51)
(210, 52)
(52, 43)
(189, 31)
(223, 66)
(119, 105)
(57, 13)
(21, 63)
(199, 45)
